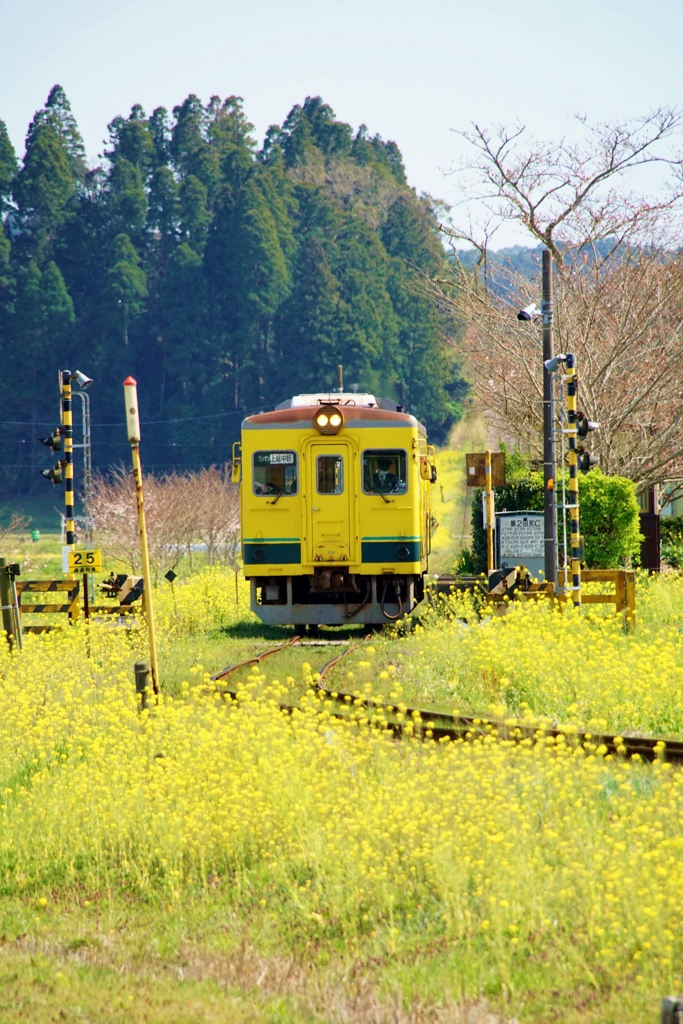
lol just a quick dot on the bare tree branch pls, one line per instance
(181, 509)
(623, 321)
(572, 195)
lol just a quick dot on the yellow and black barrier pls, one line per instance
(129, 590)
(511, 583)
(623, 597)
(70, 607)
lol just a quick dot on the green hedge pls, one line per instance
(671, 535)
(609, 515)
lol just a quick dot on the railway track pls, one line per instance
(434, 725)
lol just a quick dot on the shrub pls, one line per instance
(609, 514)
(671, 534)
(610, 520)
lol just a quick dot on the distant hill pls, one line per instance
(519, 259)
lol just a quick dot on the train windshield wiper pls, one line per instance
(277, 498)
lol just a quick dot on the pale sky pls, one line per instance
(410, 71)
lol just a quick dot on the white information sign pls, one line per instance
(521, 537)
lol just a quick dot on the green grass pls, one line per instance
(114, 955)
(240, 948)
(127, 963)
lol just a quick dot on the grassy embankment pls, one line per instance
(208, 863)
(163, 864)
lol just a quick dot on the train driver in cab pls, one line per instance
(384, 478)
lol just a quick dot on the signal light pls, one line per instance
(54, 441)
(54, 475)
(584, 425)
(587, 460)
(329, 420)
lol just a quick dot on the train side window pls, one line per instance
(385, 471)
(275, 473)
(330, 474)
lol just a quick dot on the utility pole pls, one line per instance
(549, 498)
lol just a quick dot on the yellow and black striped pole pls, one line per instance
(573, 504)
(67, 423)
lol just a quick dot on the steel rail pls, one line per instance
(435, 725)
(224, 672)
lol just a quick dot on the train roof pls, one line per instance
(294, 414)
(362, 400)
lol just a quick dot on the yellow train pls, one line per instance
(336, 510)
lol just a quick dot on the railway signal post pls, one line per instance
(130, 391)
(62, 438)
(578, 426)
(549, 499)
(573, 503)
(67, 425)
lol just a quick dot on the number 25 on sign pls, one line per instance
(85, 561)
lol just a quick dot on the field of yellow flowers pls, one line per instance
(235, 862)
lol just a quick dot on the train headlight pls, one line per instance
(329, 421)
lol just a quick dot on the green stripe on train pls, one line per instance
(268, 553)
(400, 550)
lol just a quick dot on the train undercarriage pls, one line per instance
(335, 597)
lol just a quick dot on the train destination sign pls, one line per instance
(274, 458)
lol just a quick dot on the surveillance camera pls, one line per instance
(529, 312)
(82, 381)
(552, 365)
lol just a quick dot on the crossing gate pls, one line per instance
(623, 597)
(71, 606)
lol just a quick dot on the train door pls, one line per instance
(331, 486)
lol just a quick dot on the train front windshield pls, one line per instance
(385, 471)
(275, 473)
